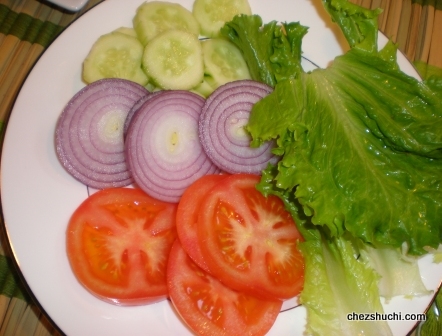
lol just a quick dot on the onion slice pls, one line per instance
(89, 132)
(163, 151)
(135, 109)
(221, 128)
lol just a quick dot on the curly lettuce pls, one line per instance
(360, 141)
(341, 170)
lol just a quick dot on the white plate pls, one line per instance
(39, 196)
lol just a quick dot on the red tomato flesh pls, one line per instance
(210, 308)
(187, 216)
(249, 241)
(118, 242)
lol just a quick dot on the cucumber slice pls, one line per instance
(174, 61)
(223, 62)
(115, 55)
(213, 14)
(126, 30)
(153, 18)
(204, 89)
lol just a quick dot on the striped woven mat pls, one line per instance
(27, 27)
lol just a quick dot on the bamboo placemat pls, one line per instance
(27, 27)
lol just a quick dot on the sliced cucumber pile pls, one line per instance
(213, 14)
(153, 18)
(162, 50)
(173, 60)
(115, 55)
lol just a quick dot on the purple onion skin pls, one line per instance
(221, 128)
(86, 147)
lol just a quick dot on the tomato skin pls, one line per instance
(210, 308)
(187, 216)
(249, 241)
(118, 241)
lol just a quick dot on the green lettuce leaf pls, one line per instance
(359, 25)
(399, 275)
(404, 112)
(341, 170)
(271, 51)
(338, 285)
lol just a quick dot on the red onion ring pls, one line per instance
(135, 109)
(89, 132)
(221, 130)
(163, 151)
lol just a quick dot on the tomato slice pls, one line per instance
(210, 308)
(118, 242)
(249, 241)
(187, 216)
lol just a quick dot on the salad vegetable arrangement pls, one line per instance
(352, 152)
